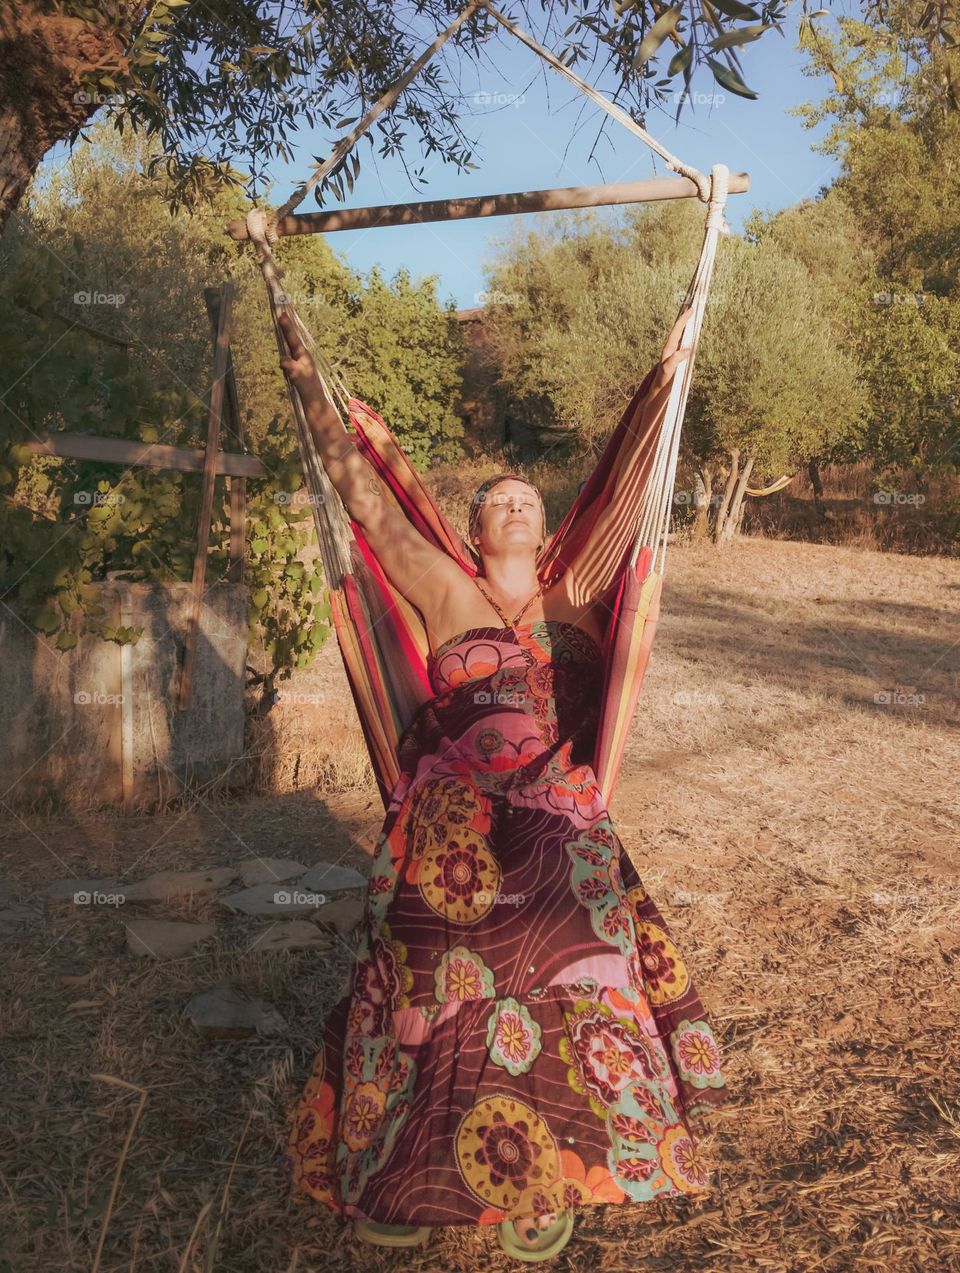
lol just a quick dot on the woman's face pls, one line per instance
(510, 516)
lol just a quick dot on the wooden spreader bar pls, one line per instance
(490, 205)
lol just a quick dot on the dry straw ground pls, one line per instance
(790, 800)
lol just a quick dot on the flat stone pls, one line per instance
(327, 877)
(166, 885)
(292, 934)
(227, 1013)
(343, 915)
(64, 890)
(165, 938)
(285, 900)
(270, 871)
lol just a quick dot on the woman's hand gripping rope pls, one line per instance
(672, 355)
(333, 441)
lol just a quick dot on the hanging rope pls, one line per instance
(329, 515)
(701, 181)
(657, 499)
(346, 144)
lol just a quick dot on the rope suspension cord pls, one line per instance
(346, 144)
(658, 494)
(700, 180)
(333, 533)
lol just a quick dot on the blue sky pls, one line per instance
(544, 138)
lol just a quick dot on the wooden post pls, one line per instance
(126, 702)
(206, 500)
(238, 485)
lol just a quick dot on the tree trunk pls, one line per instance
(816, 481)
(701, 522)
(728, 490)
(731, 526)
(44, 56)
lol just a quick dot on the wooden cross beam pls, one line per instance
(490, 205)
(92, 446)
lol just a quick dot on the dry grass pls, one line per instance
(800, 838)
(896, 512)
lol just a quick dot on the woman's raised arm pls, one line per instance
(419, 570)
(593, 571)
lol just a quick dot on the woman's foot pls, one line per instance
(528, 1228)
(396, 1235)
(533, 1240)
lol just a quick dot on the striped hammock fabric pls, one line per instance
(384, 642)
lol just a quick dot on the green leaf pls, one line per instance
(734, 9)
(664, 26)
(20, 454)
(47, 620)
(735, 38)
(66, 640)
(680, 60)
(730, 79)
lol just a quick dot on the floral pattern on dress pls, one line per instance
(606, 1054)
(519, 1032)
(513, 1037)
(462, 975)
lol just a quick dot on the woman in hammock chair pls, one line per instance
(520, 1036)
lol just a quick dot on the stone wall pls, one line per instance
(99, 725)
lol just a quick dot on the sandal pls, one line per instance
(391, 1234)
(551, 1240)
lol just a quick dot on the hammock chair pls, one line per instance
(614, 533)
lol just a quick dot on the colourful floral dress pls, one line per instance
(521, 1034)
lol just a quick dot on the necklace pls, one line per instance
(506, 621)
